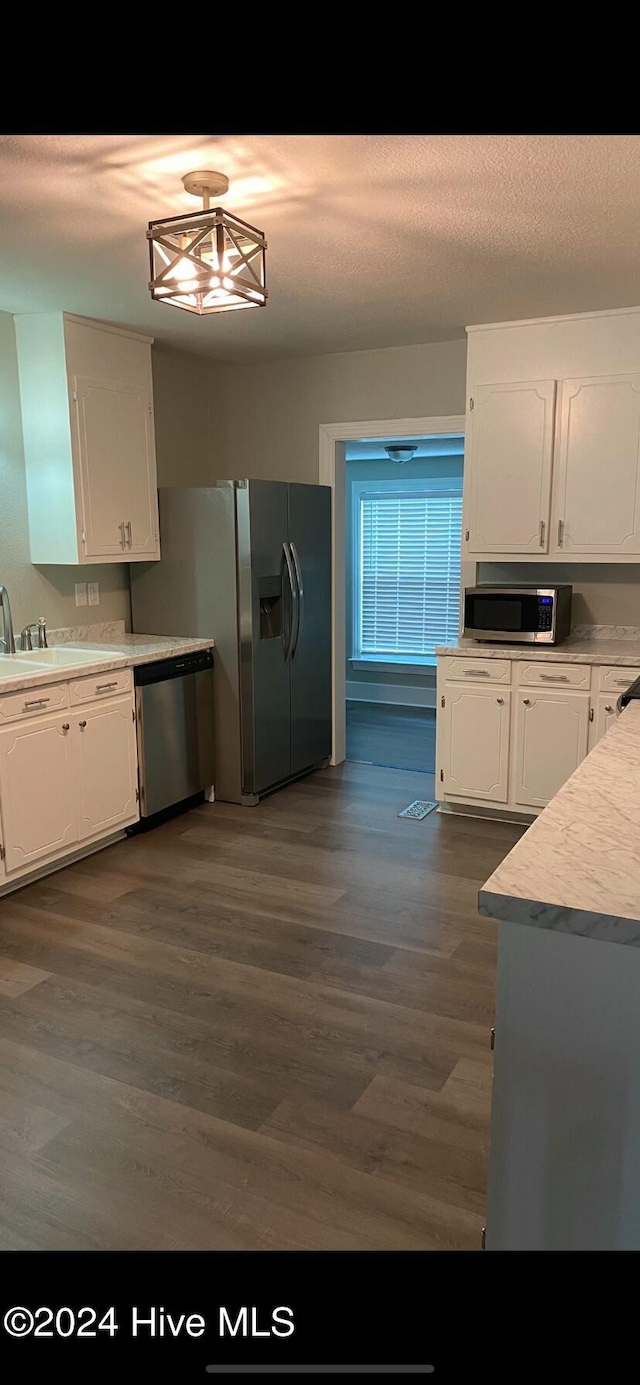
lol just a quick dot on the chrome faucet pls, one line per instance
(8, 643)
(26, 638)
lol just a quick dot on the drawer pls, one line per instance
(33, 702)
(485, 670)
(551, 675)
(100, 686)
(615, 680)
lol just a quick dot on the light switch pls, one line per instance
(81, 593)
(93, 589)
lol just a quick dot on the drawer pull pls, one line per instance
(622, 682)
(477, 673)
(554, 677)
(82, 725)
(106, 687)
(41, 702)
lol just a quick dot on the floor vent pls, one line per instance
(418, 809)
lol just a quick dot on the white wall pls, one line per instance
(603, 594)
(39, 591)
(265, 417)
(181, 408)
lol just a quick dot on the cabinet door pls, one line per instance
(605, 712)
(106, 766)
(117, 469)
(509, 467)
(551, 737)
(36, 791)
(597, 496)
(101, 477)
(475, 754)
(134, 425)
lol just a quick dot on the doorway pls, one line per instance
(333, 440)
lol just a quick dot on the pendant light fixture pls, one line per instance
(207, 261)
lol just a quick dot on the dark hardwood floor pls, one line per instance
(379, 733)
(254, 1028)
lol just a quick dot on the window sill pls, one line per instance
(380, 665)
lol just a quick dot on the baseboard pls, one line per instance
(39, 872)
(398, 693)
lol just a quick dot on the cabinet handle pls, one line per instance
(106, 687)
(622, 682)
(608, 709)
(129, 538)
(542, 532)
(82, 725)
(500, 701)
(591, 714)
(560, 533)
(476, 673)
(40, 702)
(466, 534)
(554, 677)
(527, 701)
(65, 726)
(121, 528)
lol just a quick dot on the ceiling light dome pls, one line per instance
(207, 261)
(401, 452)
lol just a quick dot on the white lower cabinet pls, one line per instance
(512, 733)
(605, 712)
(475, 742)
(37, 784)
(65, 780)
(551, 738)
(106, 769)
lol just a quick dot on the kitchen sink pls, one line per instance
(60, 656)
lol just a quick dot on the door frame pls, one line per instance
(332, 472)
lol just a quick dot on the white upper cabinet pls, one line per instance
(87, 413)
(552, 461)
(597, 490)
(509, 456)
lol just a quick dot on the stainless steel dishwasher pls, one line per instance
(174, 712)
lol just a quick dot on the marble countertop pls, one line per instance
(577, 867)
(622, 652)
(19, 671)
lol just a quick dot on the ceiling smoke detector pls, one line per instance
(208, 261)
(401, 452)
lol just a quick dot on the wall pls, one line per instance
(265, 417)
(36, 591)
(419, 686)
(180, 402)
(603, 594)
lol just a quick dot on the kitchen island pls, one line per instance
(564, 1169)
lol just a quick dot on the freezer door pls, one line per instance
(310, 544)
(265, 632)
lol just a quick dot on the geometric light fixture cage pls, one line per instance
(208, 261)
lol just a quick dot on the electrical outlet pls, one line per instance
(81, 593)
(93, 589)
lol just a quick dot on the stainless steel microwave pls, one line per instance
(518, 615)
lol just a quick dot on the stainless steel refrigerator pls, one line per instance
(249, 563)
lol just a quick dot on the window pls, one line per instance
(407, 568)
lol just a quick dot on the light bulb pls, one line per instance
(185, 269)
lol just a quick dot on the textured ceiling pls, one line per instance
(373, 240)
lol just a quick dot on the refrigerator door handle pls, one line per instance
(300, 606)
(287, 638)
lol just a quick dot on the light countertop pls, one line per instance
(25, 670)
(622, 652)
(577, 867)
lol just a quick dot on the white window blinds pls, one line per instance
(408, 569)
